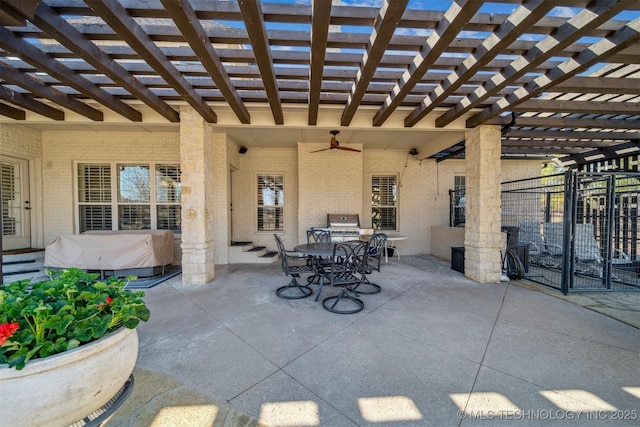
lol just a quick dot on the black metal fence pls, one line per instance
(579, 229)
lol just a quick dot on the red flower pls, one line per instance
(6, 330)
(109, 299)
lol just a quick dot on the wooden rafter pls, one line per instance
(599, 154)
(508, 32)
(568, 123)
(576, 107)
(571, 135)
(38, 59)
(385, 25)
(254, 23)
(595, 14)
(12, 113)
(27, 103)
(453, 22)
(53, 24)
(36, 87)
(599, 51)
(117, 17)
(320, 20)
(185, 18)
(630, 86)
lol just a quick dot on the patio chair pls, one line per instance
(318, 235)
(588, 259)
(529, 233)
(293, 264)
(372, 260)
(553, 235)
(344, 273)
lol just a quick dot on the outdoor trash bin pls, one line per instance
(457, 259)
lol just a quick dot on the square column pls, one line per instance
(196, 160)
(483, 236)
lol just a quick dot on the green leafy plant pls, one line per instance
(69, 309)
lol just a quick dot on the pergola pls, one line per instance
(560, 77)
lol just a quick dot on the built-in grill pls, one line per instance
(343, 227)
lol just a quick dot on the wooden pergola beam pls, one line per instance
(576, 107)
(596, 13)
(27, 103)
(36, 87)
(385, 25)
(254, 23)
(53, 24)
(320, 19)
(454, 20)
(185, 18)
(12, 113)
(41, 61)
(567, 123)
(508, 32)
(598, 52)
(571, 135)
(117, 17)
(608, 85)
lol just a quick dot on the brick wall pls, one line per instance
(60, 151)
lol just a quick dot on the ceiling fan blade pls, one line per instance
(324, 149)
(347, 149)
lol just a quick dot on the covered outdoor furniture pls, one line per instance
(113, 253)
(344, 273)
(293, 265)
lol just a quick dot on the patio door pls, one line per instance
(16, 212)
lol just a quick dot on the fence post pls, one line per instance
(569, 219)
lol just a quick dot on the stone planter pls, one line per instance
(64, 388)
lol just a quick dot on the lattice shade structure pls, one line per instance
(568, 69)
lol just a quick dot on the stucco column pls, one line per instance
(483, 237)
(196, 159)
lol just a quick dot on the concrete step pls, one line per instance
(28, 265)
(248, 253)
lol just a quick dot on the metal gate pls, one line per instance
(578, 231)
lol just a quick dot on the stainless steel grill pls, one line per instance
(343, 227)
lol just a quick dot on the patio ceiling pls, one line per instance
(561, 77)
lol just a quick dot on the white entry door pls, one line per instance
(16, 212)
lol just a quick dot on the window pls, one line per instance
(384, 202)
(458, 201)
(270, 203)
(148, 196)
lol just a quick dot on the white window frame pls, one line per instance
(396, 206)
(258, 205)
(114, 203)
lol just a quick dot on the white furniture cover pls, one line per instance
(111, 250)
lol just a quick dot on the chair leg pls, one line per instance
(320, 288)
(366, 287)
(342, 297)
(294, 290)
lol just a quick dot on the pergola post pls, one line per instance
(196, 158)
(483, 237)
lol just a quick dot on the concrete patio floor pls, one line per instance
(432, 349)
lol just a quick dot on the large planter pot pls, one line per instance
(62, 389)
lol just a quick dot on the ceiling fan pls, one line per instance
(335, 144)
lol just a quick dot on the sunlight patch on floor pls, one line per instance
(633, 391)
(388, 409)
(290, 414)
(577, 400)
(186, 416)
(483, 403)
